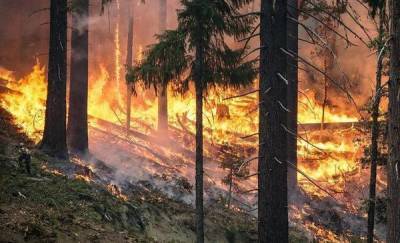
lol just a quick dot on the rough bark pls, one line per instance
(198, 79)
(375, 135)
(272, 180)
(393, 167)
(162, 90)
(78, 95)
(129, 59)
(292, 77)
(54, 140)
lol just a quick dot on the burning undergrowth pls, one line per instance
(330, 175)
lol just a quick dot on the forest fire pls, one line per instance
(325, 157)
(204, 114)
(27, 100)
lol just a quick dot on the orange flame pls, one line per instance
(224, 120)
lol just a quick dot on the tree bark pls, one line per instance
(393, 167)
(272, 179)
(163, 89)
(54, 140)
(198, 79)
(325, 101)
(78, 95)
(292, 76)
(375, 132)
(230, 187)
(129, 59)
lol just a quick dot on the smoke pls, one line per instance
(354, 67)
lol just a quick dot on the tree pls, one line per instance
(379, 45)
(54, 140)
(129, 58)
(78, 95)
(292, 97)
(393, 167)
(233, 161)
(198, 48)
(162, 91)
(272, 165)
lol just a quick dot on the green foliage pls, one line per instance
(375, 5)
(204, 23)
(165, 61)
(318, 7)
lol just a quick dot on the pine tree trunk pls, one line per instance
(54, 140)
(272, 180)
(78, 96)
(163, 89)
(230, 187)
(324, 102)
(129, 59)
(375, 134)
(393, 167)
(292, 76)
(198, 79)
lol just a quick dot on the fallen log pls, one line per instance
(304, 127)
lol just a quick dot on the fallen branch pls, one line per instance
(248, 136)
(241, 95)
(245, 162)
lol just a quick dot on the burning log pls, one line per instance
(332, 125)
(6, 90)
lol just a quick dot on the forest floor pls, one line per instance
(49, 206)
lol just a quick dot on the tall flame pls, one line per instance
(27, 103)
(324, 156)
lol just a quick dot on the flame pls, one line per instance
(225, 120)
(326, 156)
(27, 104)
(6, 75)
(310, 111)
(114, 190)
(139, 56)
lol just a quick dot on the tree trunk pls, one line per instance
(230, 187)
(198, 79)
(163, 89)
(54, 140)
(129, 58)
(375, 133)
(292, 76)
(325, 101)
(393, 167)
(272, 166)
(78, 96)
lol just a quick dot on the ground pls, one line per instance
(48, 206)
